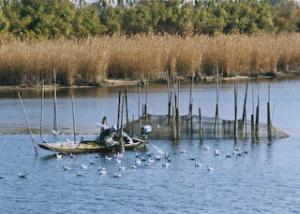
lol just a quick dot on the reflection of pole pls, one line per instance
(28, 125)
(42, 109)
(74, 121)
(217, 101)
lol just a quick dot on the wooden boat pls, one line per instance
(92, 147)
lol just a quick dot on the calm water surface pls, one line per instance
(266, 180)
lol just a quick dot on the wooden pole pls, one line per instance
(42, 109)
(146, 100)
(28, 125)
(126, 106)
(244, 118)
(55, 121)
(73, 116)
(257, 114)
(235, 112)
(269, 113)
(200, 124)
(121, 129)
(119, 106)
(217, 99)
(139, 100)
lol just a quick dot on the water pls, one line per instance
(266, 180)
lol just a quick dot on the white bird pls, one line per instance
(206, 147)
(84, 167)
(79, 174)
(107, 157)
(102, 171)
(158, 126)
(22, 175)
(55, 132)
(138, 162)
(118, 161)
(121, 168)
(72, 156)
(117, 175)
(96, 156)
(165, 164)
(217, 152)
(197, 164)
(157, 157)
(58, 156)
(209, 168)
(66, 168)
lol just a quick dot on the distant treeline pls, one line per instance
(64, 18)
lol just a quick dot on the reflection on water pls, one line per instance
(265, 179)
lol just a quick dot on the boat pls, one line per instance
(71, 147)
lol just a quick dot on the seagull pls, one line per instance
(58, 156)
(209, 168)
(96, 156)
(107, 157)
(138, 162)
(165, 164)
(22, 175)
(102, 171)
(217, 152)
(117, 175)
(84, 167)
(157, 157)
(55, 132)
(133, 167)
(72, 156)
(197, 164)
(66, 168)
(206, 147)
(79, 174)
(118, 161)
(121, 168)
(228, 155)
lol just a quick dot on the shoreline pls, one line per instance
(114, 83)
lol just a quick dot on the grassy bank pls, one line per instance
(95, 60)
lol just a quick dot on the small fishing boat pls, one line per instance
(71, 147)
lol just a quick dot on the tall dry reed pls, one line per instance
(92, 61)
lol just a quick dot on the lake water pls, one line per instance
(265, 180)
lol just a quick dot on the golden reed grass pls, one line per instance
(92, 61)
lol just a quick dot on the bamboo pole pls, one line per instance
(42, 109)
(126, 106)
(235, 112)
(269, 113)
(55, 121)
(217, 100)
(119, 106)
(74, 120)
(28, 125)
(139, 100)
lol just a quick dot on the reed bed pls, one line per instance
(94, 60)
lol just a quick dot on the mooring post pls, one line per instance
(73, 116)
(119, 109)
(55, 121)
(217, 101)
(235, 112)
(269, 113)
(126, 106)
(257, 115)
(200, 124)
(42, 109)
(244, 117)
(139, 100)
